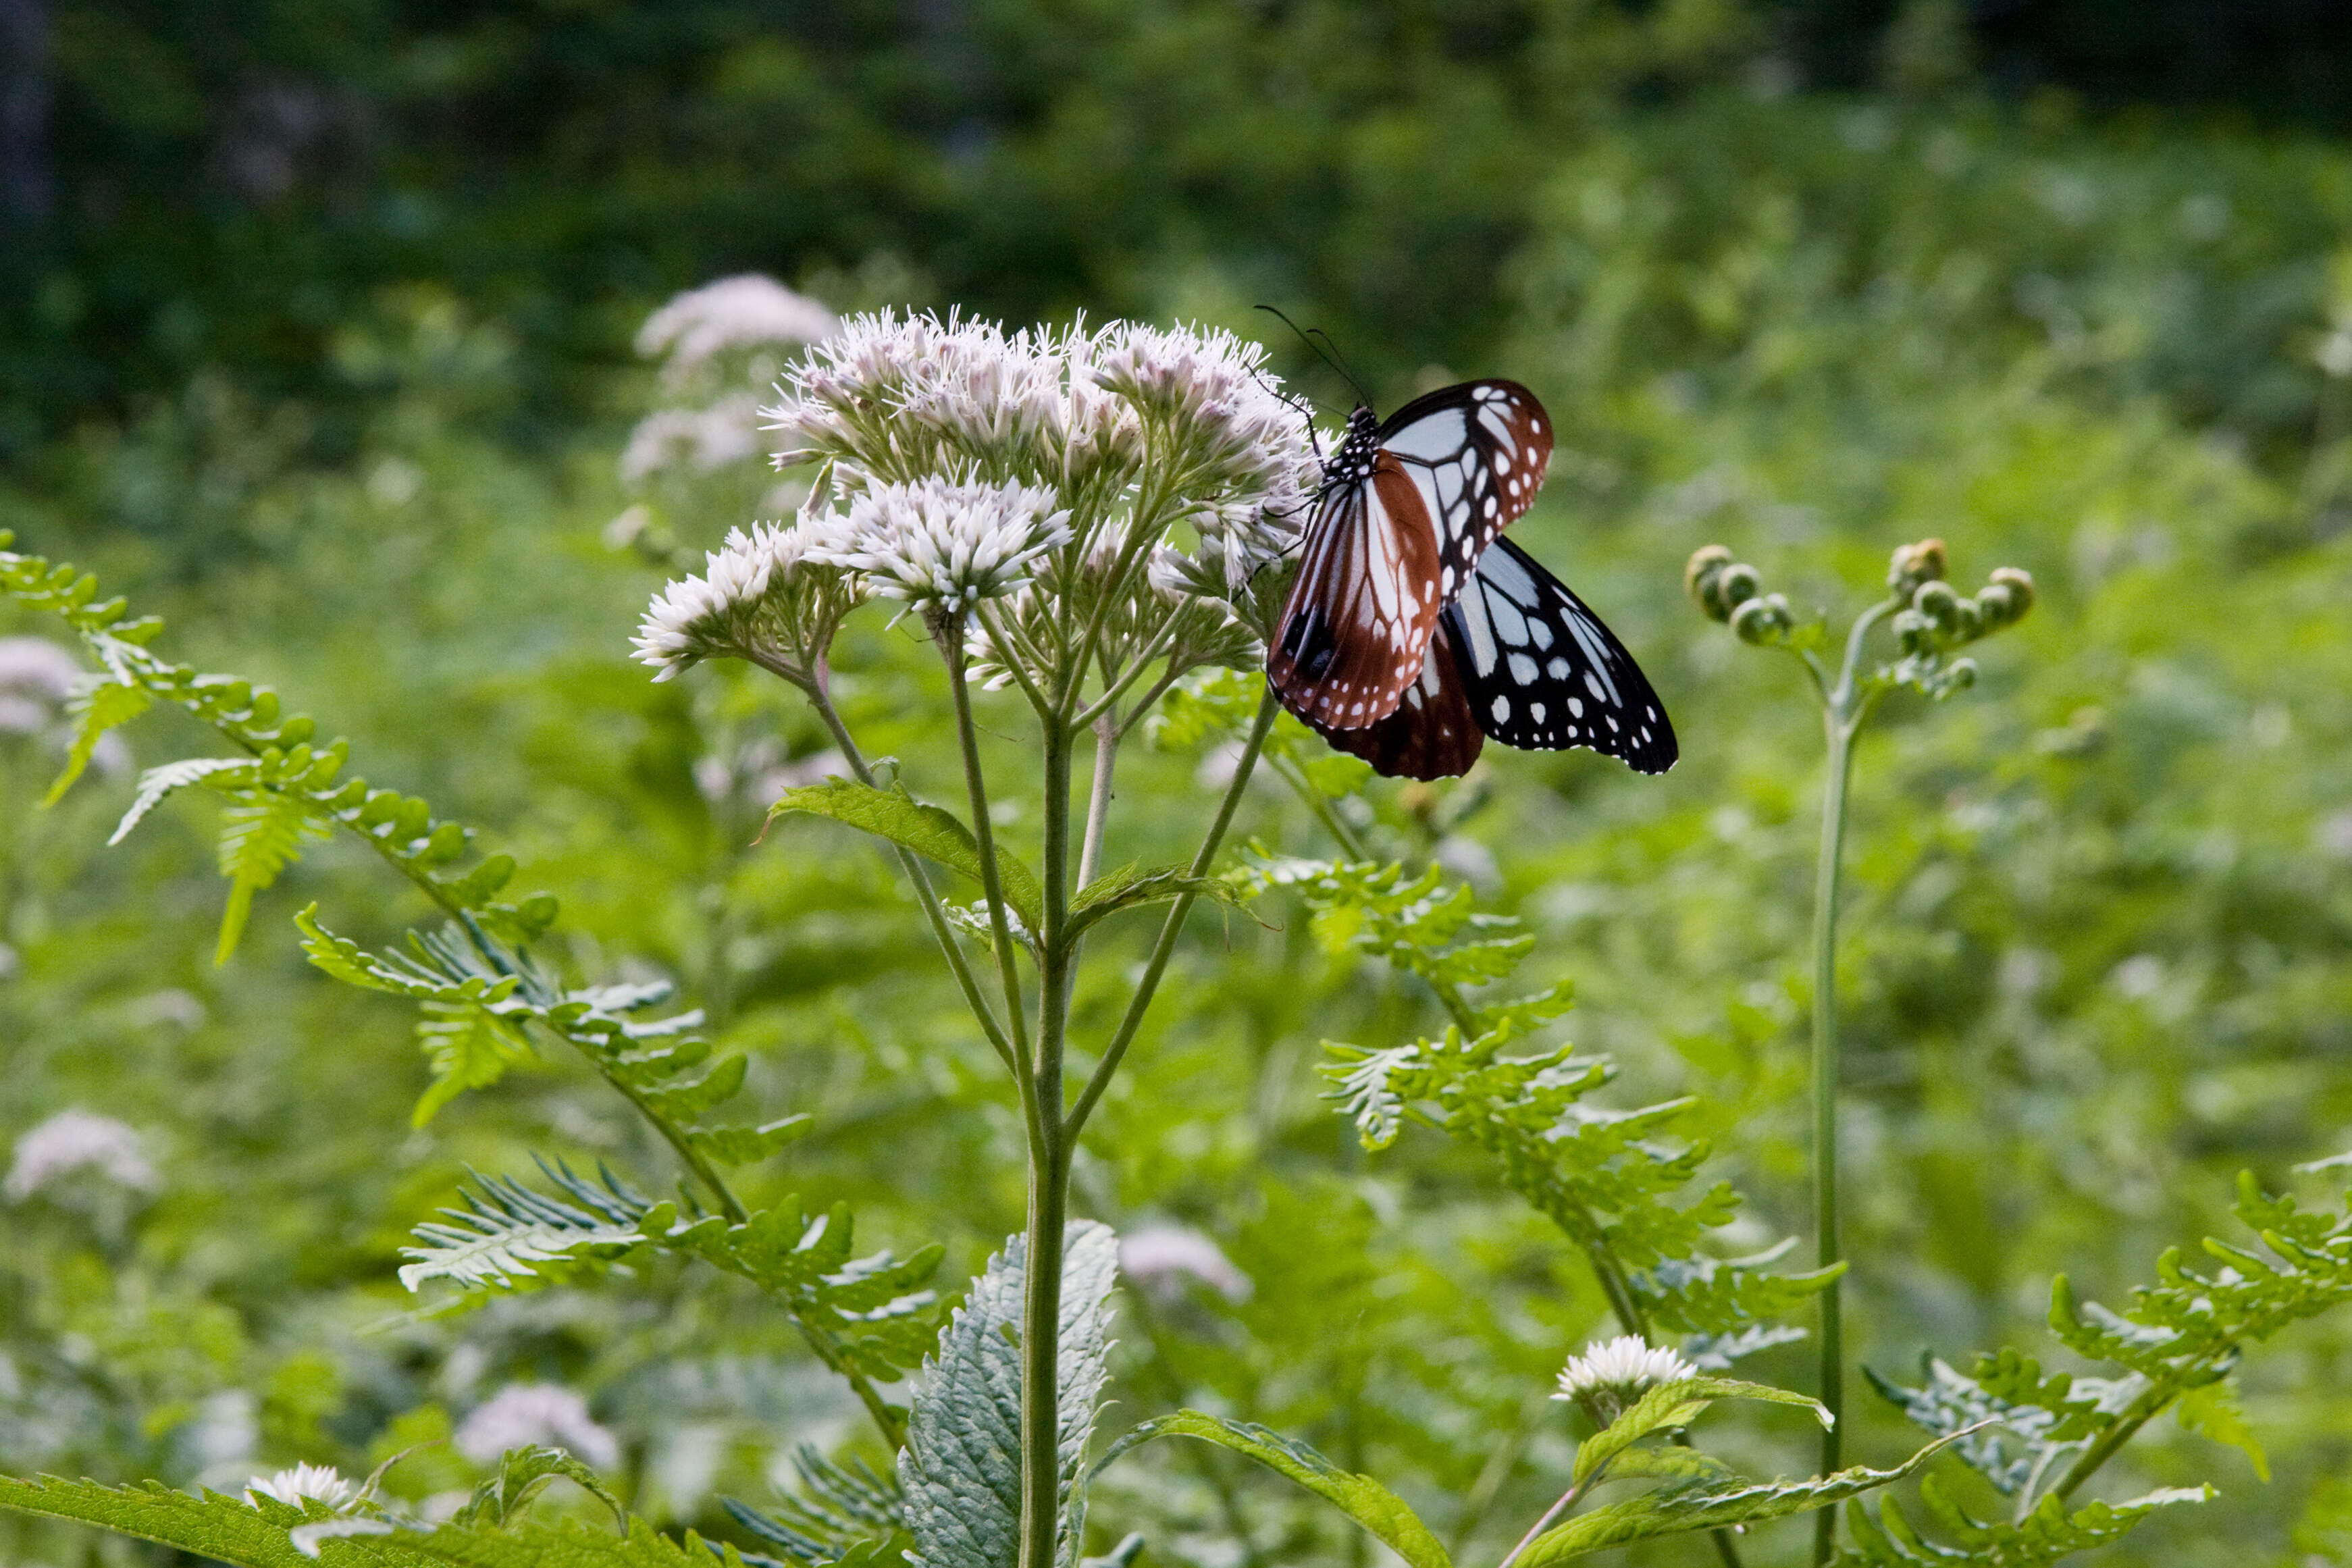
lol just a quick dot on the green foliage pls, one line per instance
(960, 1470)
(1381, 1511)
(1715, 1505)
(2045, 1534)
(2174, 1347)
(1668, 1406)
(842, 1513)
(930, 831)
(267, 1533)
(1603, 1176)
(523, 1473)
(505, 1227)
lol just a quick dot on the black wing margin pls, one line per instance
(1543, 674)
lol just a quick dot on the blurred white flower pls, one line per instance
(323, 1483)
(1623, 1367)
(39, 668)
(542, 1414)
(750, 310)
(76, 1141)
(765, 591)
(728, 431)
(941, 545)
(1160, 1257)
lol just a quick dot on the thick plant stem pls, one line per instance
(1049, 1183)
(1826, 1254)
(1041, 1324)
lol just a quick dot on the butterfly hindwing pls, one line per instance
(1540, 672)
(1477, 452)
(1355, 633)
(1432, 733)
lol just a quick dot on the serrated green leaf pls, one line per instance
(108, 705)
(684, 1101)
(259, 838)
(1679, 1511)
(522, 1474)
(1132, 887)
(2213, 1410)
(1371, 1505)
(2047, 1534)
(930, 831)
(157, 783)
(1669, 1406)
(466, 1047)
(748, 1145)
(505, 1227)
(961, 1469)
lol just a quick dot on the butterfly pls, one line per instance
(1407, 640)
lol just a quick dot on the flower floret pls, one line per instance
(942, 543)
(1624, 1365)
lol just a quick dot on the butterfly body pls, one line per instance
(1408, 641)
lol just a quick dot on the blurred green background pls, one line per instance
(315, 336)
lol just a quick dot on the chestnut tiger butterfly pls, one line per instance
(1415, 631)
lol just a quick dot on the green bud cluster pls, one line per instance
(1732, 591)
(1936, 617)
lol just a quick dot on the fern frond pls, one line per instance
(505, 1227)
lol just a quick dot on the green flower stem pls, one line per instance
(984, 834)
(1845, 704)
(1166, 944)
(821, 699)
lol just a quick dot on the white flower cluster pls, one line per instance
(763, 594)
(962, 463)
(39, 680)
(1620, 1367)
(321, 1483)
(942, 545)
(77, 1141)
(543, 1413)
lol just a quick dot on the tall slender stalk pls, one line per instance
(1826, 1250)
(1845, 703)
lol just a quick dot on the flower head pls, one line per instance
(542, 1414)
(320, 1483)
(900, 399)
(1212, 396)
(765, 593)
(1612, 1373)
(944, 544)
(77, 1141)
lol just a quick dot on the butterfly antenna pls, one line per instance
(1338, 362)
(1319, 352)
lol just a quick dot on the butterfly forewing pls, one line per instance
(1540, 672)
(1356, 630)
(1431, 735)
(1478, 453)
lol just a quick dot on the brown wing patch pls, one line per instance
(1356, 630)
(1431, 735)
